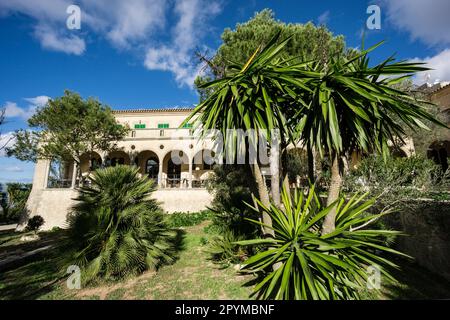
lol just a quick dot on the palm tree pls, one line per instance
(252, 96)
(335, 108)
(352, 107)
(116, 228)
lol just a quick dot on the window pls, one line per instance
(163, 126)
(139, 126)
(187, 125)
(60, 174)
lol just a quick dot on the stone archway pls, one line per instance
(175, 169)
(117, 157)
(90, 162)
(202, 165)
(148, 164)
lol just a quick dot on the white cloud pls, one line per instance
(126, 25)
(12, 110)
(324, 18)
(51, 40)
(6, 140)
(38, 101)
(176, 56)
(136, 21)
(440, 64)
(121, 22)
(425, 20)
(13, 169)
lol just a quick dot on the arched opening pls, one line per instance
(175, 169)
(60, 174)
(117, 158)
(152, 168)
(148, 163)
(202, 165)
(90, 162)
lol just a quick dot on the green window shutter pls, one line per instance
(139, 126)
(163, 125)
(136, 126)
(187, 125)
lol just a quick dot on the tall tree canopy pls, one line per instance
(308, 42)
(66, 128)
(235, 63)
(341, 106)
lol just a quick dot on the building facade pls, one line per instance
(439, 150)
(174, 157)
(177, 159)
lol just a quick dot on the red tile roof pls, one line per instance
(175, 109)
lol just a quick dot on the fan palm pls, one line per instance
(116, 228)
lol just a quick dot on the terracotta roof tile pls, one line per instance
(175, 109)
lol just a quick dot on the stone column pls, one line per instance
(47, 172)
(190, 174)
(74, 175)
(160, 173)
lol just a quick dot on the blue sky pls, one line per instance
(139, 53)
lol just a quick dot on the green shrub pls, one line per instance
(34, 224)
(398, 182)
(15, 203)
(295, 163)
(413, 176)
(187, 219)
(223, 248)
(117, 230)
(231, 186)
(301, 263)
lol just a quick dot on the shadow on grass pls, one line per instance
(34, 277)
(32, 280)
(13, 246)
(415, 282)
(177, 245)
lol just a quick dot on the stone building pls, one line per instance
(179, 163)
(439, 150)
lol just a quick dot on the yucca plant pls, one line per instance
(353, 106)
(116, 228)
(223, 248)
(311, 265)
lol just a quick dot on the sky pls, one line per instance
(140, 53)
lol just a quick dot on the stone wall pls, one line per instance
(54, 204)
(427, 225)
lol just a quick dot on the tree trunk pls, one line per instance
(264, 198)
(275, 175)
(333, 194)
(311, 170)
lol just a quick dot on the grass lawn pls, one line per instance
(192, 276)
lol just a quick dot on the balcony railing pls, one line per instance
(156, 133)
(59, 183)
